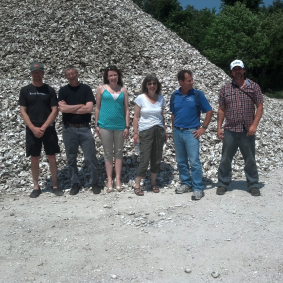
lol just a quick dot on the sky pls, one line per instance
(201, 4)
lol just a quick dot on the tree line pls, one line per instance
(243, 29)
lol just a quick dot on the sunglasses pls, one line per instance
(151, 83)
(111, 67)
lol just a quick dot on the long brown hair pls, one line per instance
(115, 69)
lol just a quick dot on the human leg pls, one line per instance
(247, 148)
(53, 169)
(192, 149)
(229, 149)
(156, 149)
(107, 139)
(182, 157)
(35, 170)
(154, 187)
(87, 144)
(118, 156)
(146, 141)
(71, 142)
(137, 189)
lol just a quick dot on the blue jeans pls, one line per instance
(73, 138)
(231, 142)
(187, 149)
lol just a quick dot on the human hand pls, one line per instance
(97, 129)
(38, 132)
(220, 134)
(198, 132)
(126, 133)
(136, 139)
(62, 102)
(252, 130)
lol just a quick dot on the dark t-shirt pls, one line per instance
(80, 94)
(38, 101)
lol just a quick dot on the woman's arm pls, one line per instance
(98, 97)
(162, 113)
(136, 123)
(127, 112)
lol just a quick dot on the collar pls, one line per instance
(248, 83)
(192, 91)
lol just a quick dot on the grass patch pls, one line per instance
(275, 94)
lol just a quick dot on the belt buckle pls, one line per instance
(182, 129)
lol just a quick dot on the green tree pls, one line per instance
(272, 24)
(191, 24)
(236, 33)
(276, 6)
(159, 9)
(250, 4)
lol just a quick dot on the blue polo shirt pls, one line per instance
(185, 111)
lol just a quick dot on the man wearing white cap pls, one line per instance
(237, 101)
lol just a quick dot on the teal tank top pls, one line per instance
(112, 114)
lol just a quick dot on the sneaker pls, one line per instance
(197, 195)
(75, 189)
(255, 192)
(58, 192)
(221, 190)
(184, 188)
(35, 193)
(96, 189)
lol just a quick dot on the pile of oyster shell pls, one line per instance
(92, 35)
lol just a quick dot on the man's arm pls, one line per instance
(258, 115)
(38, 132)
(65, 108)
(51, 118)
(206, 122)
(86, 109)
(220, 119)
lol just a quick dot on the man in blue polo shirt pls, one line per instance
(185, 106)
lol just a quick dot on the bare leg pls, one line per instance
(53, 169)
(35, 170)
(118, 169)
(109, 170)
(153, 179)
(138, 182)
(153, 183)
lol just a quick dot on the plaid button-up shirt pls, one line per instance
(239, 107)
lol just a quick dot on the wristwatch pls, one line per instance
(204, 126)
(128, 127)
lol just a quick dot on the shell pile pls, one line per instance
(92, 34)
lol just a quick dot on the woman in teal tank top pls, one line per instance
(112, 123)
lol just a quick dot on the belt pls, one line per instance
(76, 125)
(186, 128)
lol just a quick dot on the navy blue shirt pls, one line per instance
(185, 111)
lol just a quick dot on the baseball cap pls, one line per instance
(36, 66)
(237, 63)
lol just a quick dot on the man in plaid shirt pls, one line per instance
(237, 101)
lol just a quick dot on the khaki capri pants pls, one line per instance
(112, 142)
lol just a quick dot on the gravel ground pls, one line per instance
(121, 237)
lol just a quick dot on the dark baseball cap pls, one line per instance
(36, 66)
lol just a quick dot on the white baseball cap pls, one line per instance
(237, 63)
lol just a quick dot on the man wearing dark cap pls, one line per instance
(76, 102)
(237, 101)
(39, 109)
